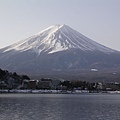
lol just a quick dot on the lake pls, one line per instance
(60, 106)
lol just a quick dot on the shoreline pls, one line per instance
(56, 91)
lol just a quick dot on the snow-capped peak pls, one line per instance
(57, 38)
(51, 28)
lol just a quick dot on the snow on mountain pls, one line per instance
(72, 52)
(57, 38)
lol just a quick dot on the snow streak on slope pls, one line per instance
(58, 38)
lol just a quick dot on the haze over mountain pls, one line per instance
(58, 48)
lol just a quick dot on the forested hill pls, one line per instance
(11, 79)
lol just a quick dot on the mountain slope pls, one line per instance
(57, 38)
(58, 48)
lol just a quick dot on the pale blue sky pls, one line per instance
(96, 19)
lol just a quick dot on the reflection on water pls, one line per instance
(59, 107)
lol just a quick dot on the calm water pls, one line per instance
(59, 107)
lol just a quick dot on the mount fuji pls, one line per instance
(58, 48)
